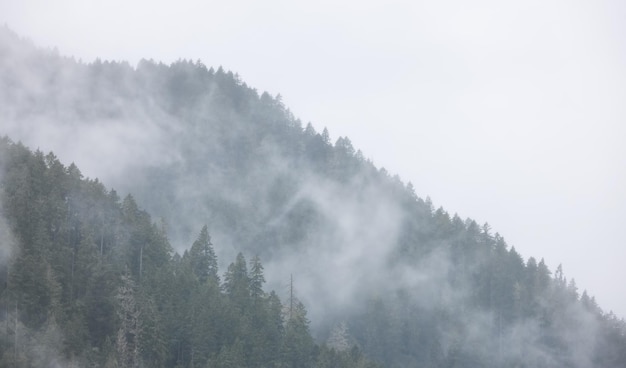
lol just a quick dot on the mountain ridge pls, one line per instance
(411, 283)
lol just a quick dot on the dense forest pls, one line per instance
(89, 279)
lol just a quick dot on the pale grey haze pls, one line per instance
(510, 113)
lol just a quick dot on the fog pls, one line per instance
(120, 141)
(7, 241)
(122, 135)
(507, 113)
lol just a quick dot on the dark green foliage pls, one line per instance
(203, 258)
(240, 161)
(297, 349)
(237, 283)
(97, 284)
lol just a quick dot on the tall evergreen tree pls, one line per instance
(203, 258)
(237, 282)
(256, 279)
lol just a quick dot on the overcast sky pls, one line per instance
(511, 113)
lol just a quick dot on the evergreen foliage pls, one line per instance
(80, 295)
(88, 279)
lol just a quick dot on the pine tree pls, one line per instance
(256, 279)
(237, 282)
(298, 344)
(203, 258)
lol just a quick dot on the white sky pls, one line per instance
(512, 113)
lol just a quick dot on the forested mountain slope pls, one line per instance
(88, 279)
(373, 262)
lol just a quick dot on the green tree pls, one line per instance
(237, 282)
(203, 258)
(298, 344)
(256, 279)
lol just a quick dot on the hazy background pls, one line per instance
(511, 114)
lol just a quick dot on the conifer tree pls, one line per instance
(298, 344)
(256, 279)
(237, 282)
(203, 258)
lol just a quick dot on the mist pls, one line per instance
(197, 146)
(7, 241)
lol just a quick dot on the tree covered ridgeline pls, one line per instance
(87, 279)
(409, 284)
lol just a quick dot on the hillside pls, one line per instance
(408, 284)
(88, 280)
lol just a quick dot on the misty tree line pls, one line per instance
(491, 309)
(92, 281)
(447, 292)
